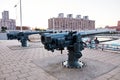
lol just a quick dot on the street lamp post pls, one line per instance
(53, 25)
(20, 16)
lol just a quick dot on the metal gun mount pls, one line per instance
(23, 36)
(71, 40)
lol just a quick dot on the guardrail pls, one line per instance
(109, 34)
(112, 47)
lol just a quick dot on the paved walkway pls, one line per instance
(16, 63)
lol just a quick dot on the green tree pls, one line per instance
(3, 29)
(38, 29)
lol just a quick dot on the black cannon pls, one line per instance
(12, 35)
(70, 40)
(23, 36)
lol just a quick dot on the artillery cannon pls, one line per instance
(70, 40)
(12, 35)
(23, 36)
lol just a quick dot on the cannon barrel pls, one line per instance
(23, 36)
(12, 35)
(60, 40)
(54, 41)
(15, 34)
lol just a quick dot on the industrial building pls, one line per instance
(114, 27)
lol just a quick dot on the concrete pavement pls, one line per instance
(16, 63)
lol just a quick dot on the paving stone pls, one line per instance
(23, 75)
(107, 76)
(24, 70)
(4, 75)
(17, 69)
(2, 78)
(8, 71)
(32, 78)
(15, 73)
(117, 76)
(113, 79)
(23, 79)
(11, 78)
(16, 64)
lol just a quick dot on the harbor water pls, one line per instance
(105, 43)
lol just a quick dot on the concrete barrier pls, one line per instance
(3, 36)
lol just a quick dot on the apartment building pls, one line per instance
(10, 24)
(69, 23)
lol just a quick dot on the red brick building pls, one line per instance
(23, 28)
(70, 23)
(115, 27)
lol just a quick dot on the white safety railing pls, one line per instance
(113, 47)
(110, 47)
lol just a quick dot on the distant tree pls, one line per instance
(3, 29)
(37, 29)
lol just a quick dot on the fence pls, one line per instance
(113, 47)
(103, 47)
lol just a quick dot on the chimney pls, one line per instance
(69, 16)
(60, 15)
(78, 16)
(85, 17)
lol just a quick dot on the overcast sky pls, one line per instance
(36, 13)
